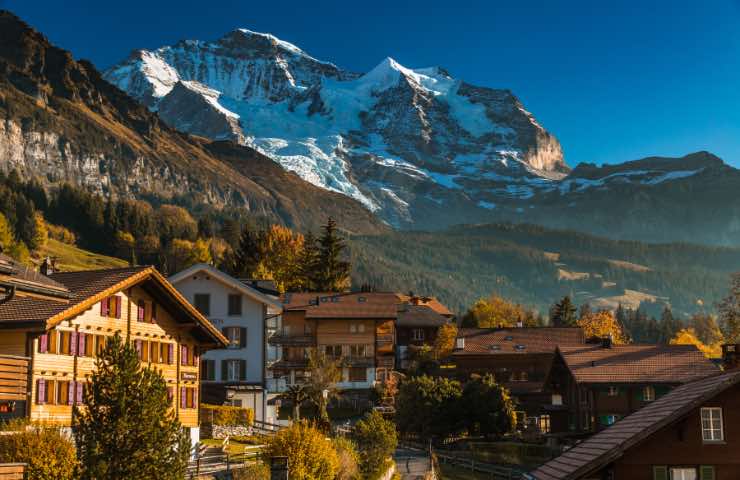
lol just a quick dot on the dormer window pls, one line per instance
(648, 393)
(712, 428)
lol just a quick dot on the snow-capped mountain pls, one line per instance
(416, 146)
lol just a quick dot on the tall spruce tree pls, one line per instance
(331, 272)
(126, 428)
(308, 263)
(563, 313)
(248, 254)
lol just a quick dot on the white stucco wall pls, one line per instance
(252, 318)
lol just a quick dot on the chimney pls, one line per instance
(460, 343)
(730, 360)
(47, 268)
(607, 341)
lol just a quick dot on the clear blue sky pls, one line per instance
(614, 81)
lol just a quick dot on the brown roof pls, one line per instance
(431, 302)
(87, 288)
(637, 363)
(27, 279)
(486, 341)
(419, 316)
(608, 445)
(343, 305)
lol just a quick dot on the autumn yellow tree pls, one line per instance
(445, 341)
(282, 249)
(602, 324)
(688, 336)
(496, 311)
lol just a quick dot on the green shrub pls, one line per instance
(226, 416)
(377, 439)
(311, 455)
(49, 455)
(349, 459)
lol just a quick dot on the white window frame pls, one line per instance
(648, 393)
(235, 339)
(613, 391)
(679, 473)
(711, 434)
(232, 370)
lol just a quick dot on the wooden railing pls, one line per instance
(13, 378)
(12, 471)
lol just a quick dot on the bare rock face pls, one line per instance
(414, 146)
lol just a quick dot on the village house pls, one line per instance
(244, 313)
(53, 326)
(606, 382)
(691, 433)
(523, 359)
(356, 328)
(417, 324)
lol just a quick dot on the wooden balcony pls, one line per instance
(385, 361)
(289, 364)
(358, 361)
(13, 378)
(384, 339)
(281, 338)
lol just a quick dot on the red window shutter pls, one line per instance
(184, 355)
(171, 353)
(71, 393)
(41, 391)
(79, 387)
(104, 307)
(118, 306)
(195, 398)
(44, 343)
(170, 393)
(183, 397)
(81, 340)
(73, 343)
(139, 344)
(140, 311)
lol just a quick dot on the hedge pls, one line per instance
(226, 416)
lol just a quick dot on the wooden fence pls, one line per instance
(12, 471)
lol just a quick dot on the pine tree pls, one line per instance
(563, 313)
(248, 254)
(308, 263)
(126, 428)
(332, 273)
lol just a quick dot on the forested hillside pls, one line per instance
(535, 266)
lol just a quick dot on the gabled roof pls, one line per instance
(411, 315)
(496, 341)
(224, 277)
(24, 278)
(86, 289)
(356, 305)
(610, 444)
(594, 363)
(431, 302)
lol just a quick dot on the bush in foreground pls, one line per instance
(377, 439)
(49, 455)
(311, 455)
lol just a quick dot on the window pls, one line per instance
(233, 370)
(235, 305)
(63, 394)
(111, 307)
(234, 335)
(357, 328)
(99, 344)
(145, 311)
(557, 399)
(65, 339)
(683, 473)
(417, 334)
(358, 350)
(611, 419)
(613, 391)
(334, 351)
(711, 424)
(648, 394)
(208, 370)
(202, 302)
(357, 374)
(545, 423)
(45, 391)
(154, 356)
(188, 397)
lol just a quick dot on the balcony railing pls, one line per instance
(386, 362)
(13, 377)
(288, 363)
(384, 339)
(358, 361)
(283, 338)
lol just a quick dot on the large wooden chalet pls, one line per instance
(53, 326)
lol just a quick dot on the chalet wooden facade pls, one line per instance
(691, 433)
(356, 328)
(60, 322)
(419, 319)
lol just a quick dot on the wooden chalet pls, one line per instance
(524, 360)
(605, 382)
(53, 326)
(691, 433)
